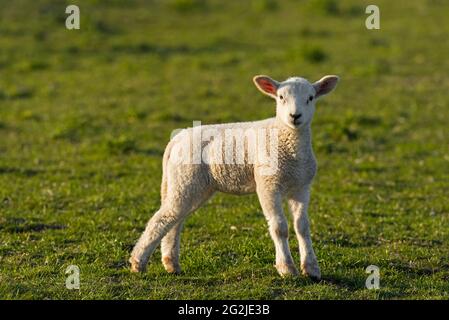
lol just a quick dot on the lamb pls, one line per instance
(186, 185)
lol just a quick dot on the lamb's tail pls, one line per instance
(165, 160)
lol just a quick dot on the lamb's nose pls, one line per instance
(295, 116)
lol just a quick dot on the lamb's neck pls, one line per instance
(299, 141)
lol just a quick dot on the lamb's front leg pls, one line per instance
(298, 204)
(271, 203)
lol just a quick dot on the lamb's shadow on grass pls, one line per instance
(342, 283)
(414, 270)
(351, 283)
(357, 283)
(297, 281)
(343, 240)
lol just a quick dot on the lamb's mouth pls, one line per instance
(297, 123)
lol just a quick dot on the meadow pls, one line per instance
(85, 116)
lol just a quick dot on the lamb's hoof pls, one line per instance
(136, 266)
(171, 266)
(287, 270)
(312, 271)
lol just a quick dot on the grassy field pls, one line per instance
(85, 116)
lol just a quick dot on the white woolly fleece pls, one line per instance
(283, 172)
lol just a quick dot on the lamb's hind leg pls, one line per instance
(164, 219)
(181, 200)
(170, 244)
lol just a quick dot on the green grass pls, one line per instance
(85, 116)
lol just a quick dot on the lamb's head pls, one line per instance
(295, 97)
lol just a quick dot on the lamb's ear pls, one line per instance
(325, 85)
(267, 85)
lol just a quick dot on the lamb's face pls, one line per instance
(295, 97)
(295, 102)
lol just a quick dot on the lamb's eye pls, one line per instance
(310, 98)
(281, 97)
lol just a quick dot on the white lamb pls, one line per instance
(186, 186)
